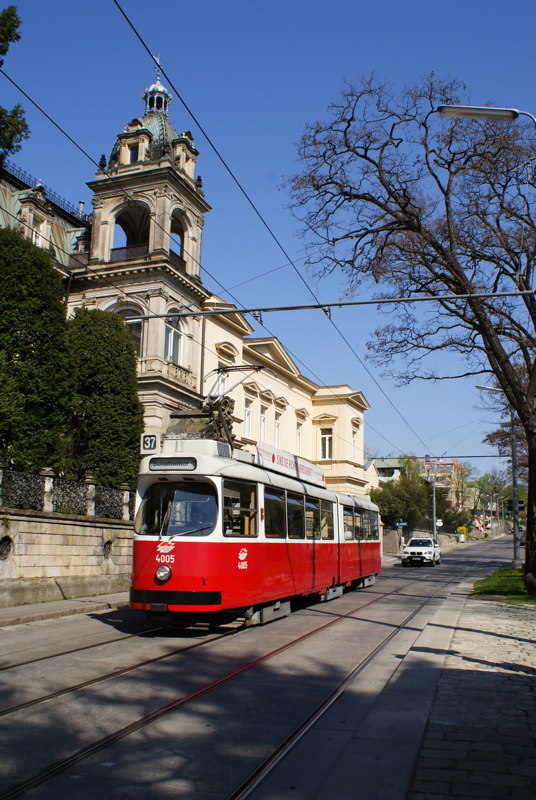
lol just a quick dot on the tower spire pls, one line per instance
(157, 98)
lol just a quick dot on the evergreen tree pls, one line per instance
(35, 383)
(108, 416)
(13, 128)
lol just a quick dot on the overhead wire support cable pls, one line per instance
(156, 316)
(341, 304)
(261, 218)
(265, 224)
(324, 306)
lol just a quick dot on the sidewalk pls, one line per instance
(17, 615)
(480, 739)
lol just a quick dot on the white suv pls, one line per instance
(421, 550)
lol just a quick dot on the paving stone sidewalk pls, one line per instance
(480, 741)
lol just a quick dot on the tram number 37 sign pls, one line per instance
(150, 442)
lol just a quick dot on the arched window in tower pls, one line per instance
(135, 325)
(176, 250)
(172, 339)
(131, 233)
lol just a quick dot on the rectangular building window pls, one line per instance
(247, 419)
(262, 436)
(277, 430)
(326, 444)
(172, 345)
(298, 438)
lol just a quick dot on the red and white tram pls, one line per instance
(239, 535)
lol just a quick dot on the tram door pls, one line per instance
(320, 534)
(350, 567)
(301, 554)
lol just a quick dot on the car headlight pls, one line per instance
(163, 573)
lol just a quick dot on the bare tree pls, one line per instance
(391, 192)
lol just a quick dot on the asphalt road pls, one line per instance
(96, 705)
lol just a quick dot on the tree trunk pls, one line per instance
(530, 549)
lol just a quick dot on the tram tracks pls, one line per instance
(263, 770)
(48, 656)
(63, 764)
(116, 673)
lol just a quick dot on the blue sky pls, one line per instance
(253, 73)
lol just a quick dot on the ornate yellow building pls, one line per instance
(139, 255)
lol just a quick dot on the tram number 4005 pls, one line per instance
(165, 558)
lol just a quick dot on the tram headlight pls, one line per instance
(163, 573)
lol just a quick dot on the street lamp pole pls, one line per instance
(434, 520)
(517, 563)
(497, 115)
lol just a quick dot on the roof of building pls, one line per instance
(387, 463)
(156, 122)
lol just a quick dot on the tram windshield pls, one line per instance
(177, 509)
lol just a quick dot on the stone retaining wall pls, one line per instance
(50, 556)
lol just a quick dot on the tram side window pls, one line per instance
(239, 508)
(326, 520)
(275, 525)
(312, 518)
(374, 525)
(366, 525)
(295, 516)
(348, 523)
(358, 525)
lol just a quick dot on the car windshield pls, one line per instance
(177, 509)
(420, 543)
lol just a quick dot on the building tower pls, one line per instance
(143, 257)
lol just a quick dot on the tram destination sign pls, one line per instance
(174, 463)
(288, 464)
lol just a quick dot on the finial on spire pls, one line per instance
(158, 68)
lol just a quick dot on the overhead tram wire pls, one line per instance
(49, 241)
(290, 261)
(344, 303)
(261, 218)
(129, 197)
(268, 228)
(120, 289)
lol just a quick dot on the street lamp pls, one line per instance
(517, 563)
(484, 112)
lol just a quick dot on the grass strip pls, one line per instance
(505, 584)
